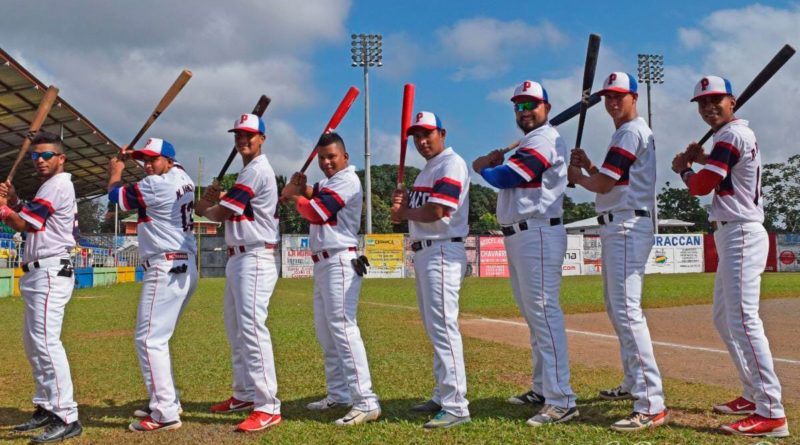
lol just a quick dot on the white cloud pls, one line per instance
(691, 38)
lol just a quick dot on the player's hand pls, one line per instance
(695, 153)
(480, 163)
(574, 174)
(211, 194)
(399, 204)
(8, 192)
(299, 179)
(3, 202)
(681, 162)
(290, 192)
(116, 166)
(578, 158)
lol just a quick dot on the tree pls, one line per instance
(781, 193)
(677, 203)
(484, 224)
(577, 211)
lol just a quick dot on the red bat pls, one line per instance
(337, 117)
(405, 122)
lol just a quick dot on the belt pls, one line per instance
(46, 262)
(419, 245)
(609, 217)
(167, 256)
(325, 254)
(235, 250)
(534, 222)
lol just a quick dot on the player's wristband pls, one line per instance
(686, 174)
(5, 212)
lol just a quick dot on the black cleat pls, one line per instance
(58, 431)
(40, 418)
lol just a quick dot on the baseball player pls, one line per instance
(625, 187)
(733, 171)
(436, 210)
(164, 200)
(50, 220)
(249, 211)
(333, 207)
(532, 184)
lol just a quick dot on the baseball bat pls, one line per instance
(258, 110)
(167, 99)
(405, 122)
(592, 52)
(765, 75)
(47, 102)
(337, 117)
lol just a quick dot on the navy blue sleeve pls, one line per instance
(113, 195)
(502, 177)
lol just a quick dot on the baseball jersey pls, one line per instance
(337, 200)
(53, 217)
(631, 161)
(736, 158)
(254, 201)
(165, 204)
(444, 180)
(540, 160)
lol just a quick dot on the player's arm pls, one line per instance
(717, 165)
(12, 218)
(325, 203)
(208, 205)
(525, 165)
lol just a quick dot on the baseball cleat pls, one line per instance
(40, 419)
(231, 405)
(552, 414)
(758, 426)
(445, 420)
(148, 424)
(639, 421)
(357, 417)
(616, 394)
(259, 420)
(325, 404)
(141, 413)
(737, 406)
(529, 398)
(428, 406)
(58, 431)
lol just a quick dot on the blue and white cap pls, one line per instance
(155, 147)
(249, 123)
(529, 90)
(425, 120)
(712, 86)
(619, 82)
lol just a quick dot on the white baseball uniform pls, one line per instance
(167, 247)
(536, 244)
(439, 266)
(251, 273)
(46, 289)
(337, 201)
(626, 239)
(742, 247)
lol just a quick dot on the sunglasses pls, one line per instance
(523, 106)
(46, 155)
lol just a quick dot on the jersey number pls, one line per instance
(186, 216)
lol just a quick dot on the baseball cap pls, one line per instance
(620, 82)
(712, 86)
(155, 147)
(248, 122)
(529, 89)
(426, 120)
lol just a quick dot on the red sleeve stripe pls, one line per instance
(521, 165)
(46, 204)
(623, 152)
(33, 215)
(422, 189)
(334, 195)
(538, 155)
(720, 165)
(244, 188)
(613, 168)
(139, 196)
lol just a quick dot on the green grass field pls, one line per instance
(98, 337)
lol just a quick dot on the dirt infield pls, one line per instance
(686, 343)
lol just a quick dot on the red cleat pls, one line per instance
(757, 426)
(258, 421)
(737, 406)
(231, 405)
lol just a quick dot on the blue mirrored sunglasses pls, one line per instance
(522, 106)
(46, 155)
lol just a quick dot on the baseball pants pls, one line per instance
(165, 294)
(250, 280)
(439, 269)
(535, 257)
(45, 295)
(336, 292)
(742, 249)
(626, 243)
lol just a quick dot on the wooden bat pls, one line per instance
(337, 117)
(405, 122)
(167, 99)
(47, 102)
(258, 110)
(765, 75)
(592, 52)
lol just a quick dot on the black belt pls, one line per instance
(510, 230)
(608, 217)
(325, 254)
(416, 246)
(35, 265)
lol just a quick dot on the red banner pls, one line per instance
(492, 255)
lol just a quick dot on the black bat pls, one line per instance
(570, 112)
(588, 79)
(259, 110)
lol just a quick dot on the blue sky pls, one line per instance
(113, 62)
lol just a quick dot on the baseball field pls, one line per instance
(98, 336)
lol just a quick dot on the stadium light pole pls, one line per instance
(366, 52)
(651, 70)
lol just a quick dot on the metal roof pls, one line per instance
(88, 149)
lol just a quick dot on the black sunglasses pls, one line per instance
(46, 155)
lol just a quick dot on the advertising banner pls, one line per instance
(573, 258)
(296, 257)
(592, 259)
(385, 254)
(788, 250)
(492, 256)
(676, 253)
